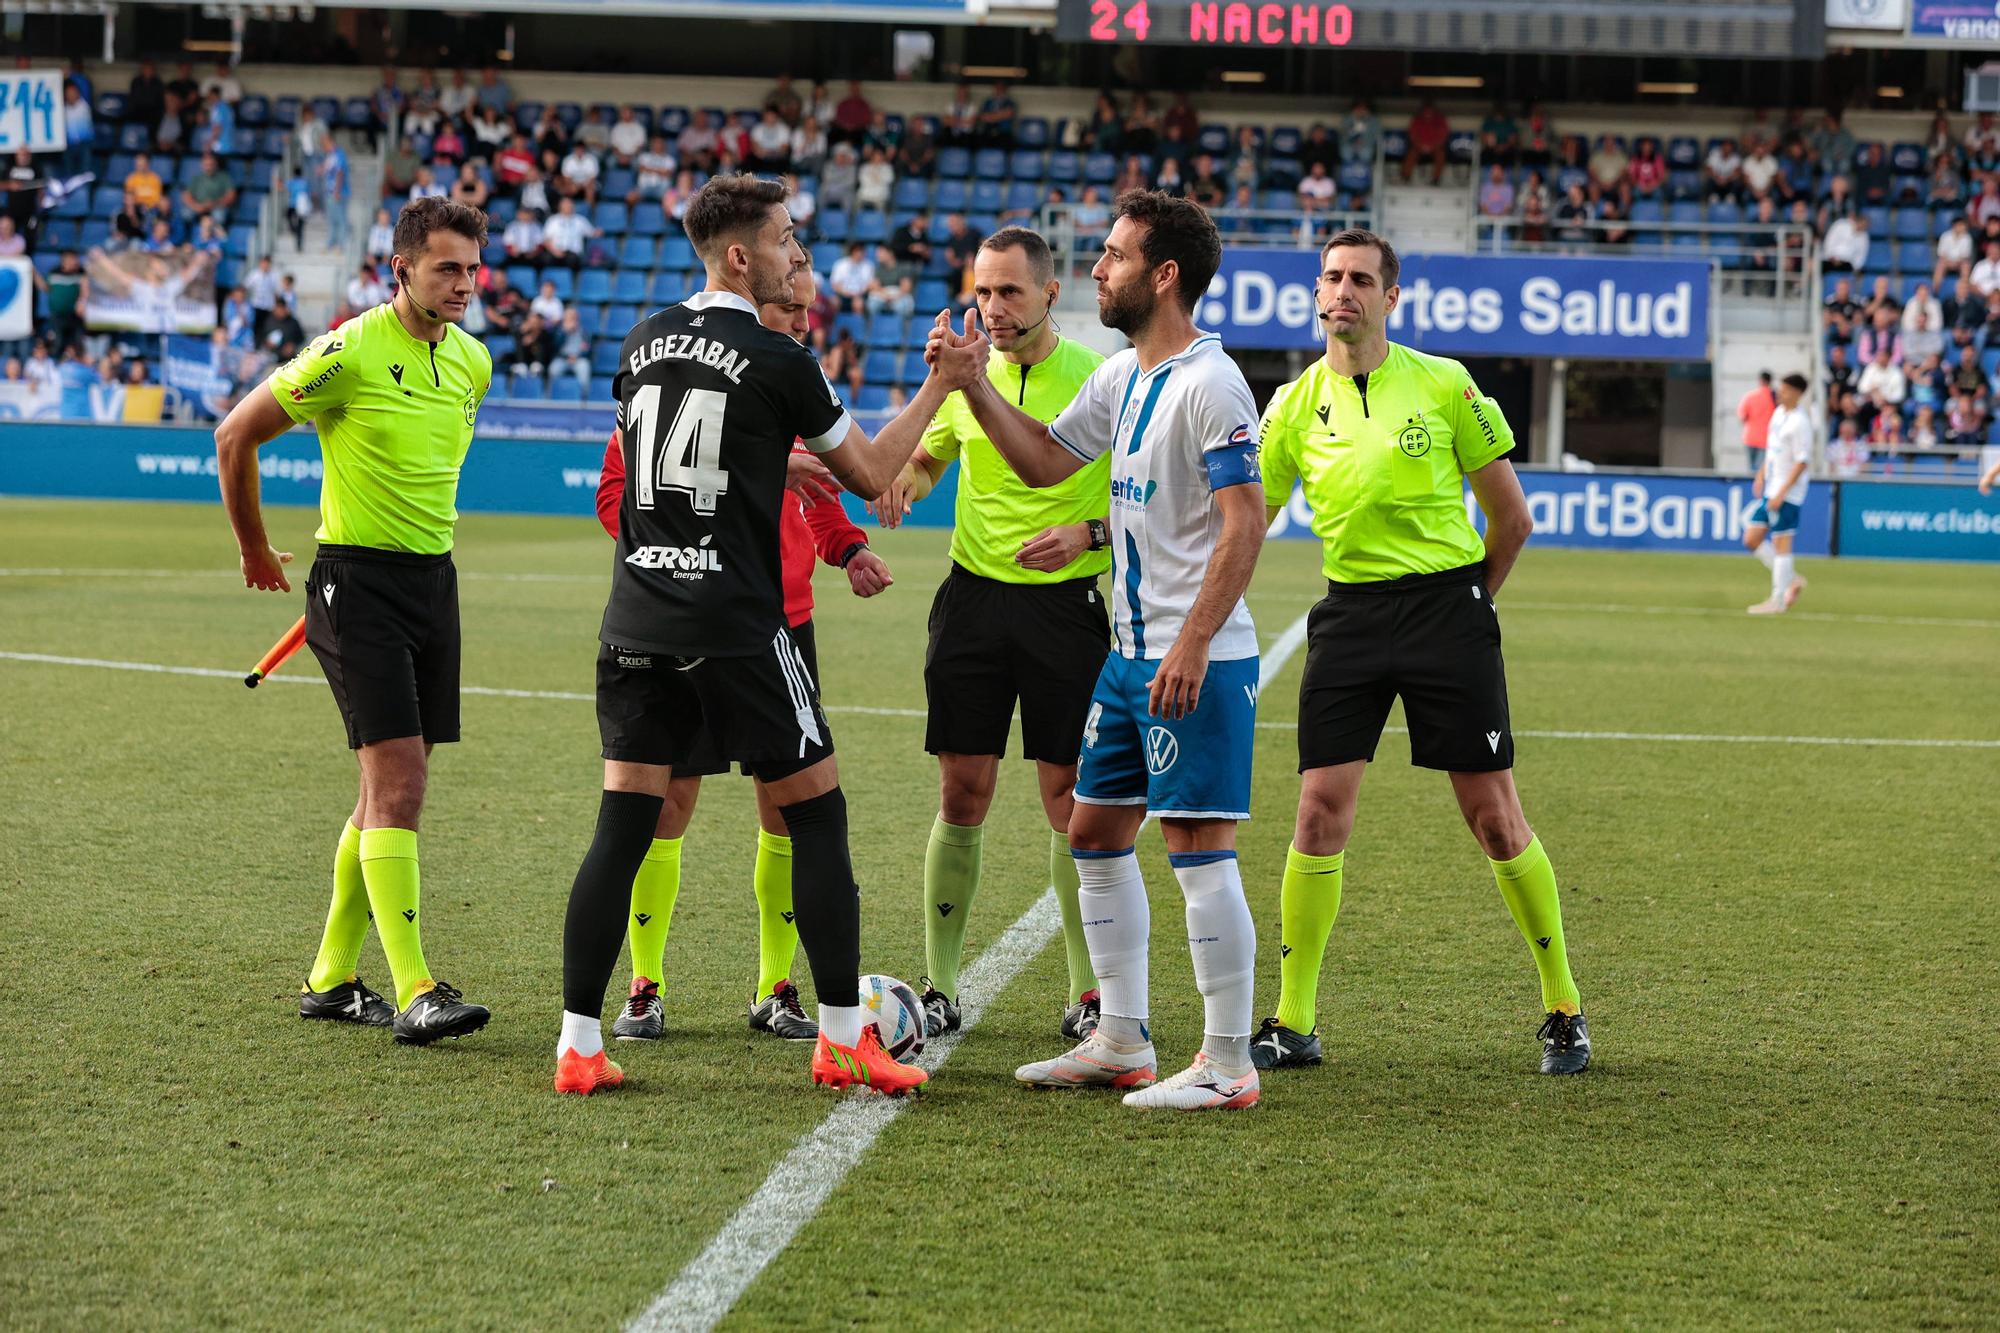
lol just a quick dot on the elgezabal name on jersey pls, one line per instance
(686, 347)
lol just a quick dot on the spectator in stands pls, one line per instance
(1922, 302)
(1795, 171)
(697, 143)
(426, 186)
(1173, 146)
(381, 237)
(1205, 187)
(851, 117)
(1832, 146)
(1981, 143)
(997, 115)
(807, 146)
(1167, 178)
(491, 131)
(1759, 132)
(627, 137)
(1845, 248)
(1429, 133)
(334, 192)
(784, 99)
(550, 135)
(578, 175)
(1924, 428)
(1921, 338)
(68, 291)
(1574, 216)
(1533, 201)
(146, 98)
(1131, 176)
(1142, 127)
(366, 290)
(820, 104)
(1754, 411)
(298, 207)
(209, 191)
(1106, 130)
(674, 203)
(1360, 133)
(1499, 136)
(1722, 172)
(1319, 147)
(877, 181)
(421, 119)
(851, 276)
(458, 100)
(800, 203)
(1840, 304)
(572, 348)
(470, 187)
(143, 184)
(1182, 116)
(1965, 423)
(566, 237)
(1841, 376)
(1883, 382)
(1647, 172)
(894, 285)
(1316, 190)
(1881, 298)
(1882, 336)
(1946, 190)
(1985, 206)
(1967, 377)
(159, 238)
(506, 306)
(307, 136)
(1984, 278)
(840, 178)
(959, 126)
(1848, 454)
(1886, 432)
(916, 156)
(1871, 177)
(209, 237)
(523, 238)
(770, 144)
(494, 93)
(1093, 215)
(593, 134)
(1760, 173)
(385, 106)
(881, 134)
(1928, 381)
(910, 243)
(534, 349)
(261, 284)
(79, 129)
(547, 304)
(960, 245)
(40, 368)
(654, 174)
(12, 243)
(534, 193)
(843, 364)
(399, 172)
(1607, 168)
(282, 334)
(449, 146)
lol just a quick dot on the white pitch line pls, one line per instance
(1281, 650)
(711, 1284)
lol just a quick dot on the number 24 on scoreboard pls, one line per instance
(1104, 20)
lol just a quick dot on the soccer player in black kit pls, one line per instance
(709, 405)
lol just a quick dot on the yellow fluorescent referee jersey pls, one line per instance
(1383, 474)
(997, 511)
(394, 415)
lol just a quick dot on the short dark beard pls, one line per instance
(771, 289)
(1127, 312)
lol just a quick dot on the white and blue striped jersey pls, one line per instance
(1176, 434)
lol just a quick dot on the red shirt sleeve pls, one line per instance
(611, 484)
(833, 532)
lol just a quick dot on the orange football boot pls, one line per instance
(865, 1064)
(584, 1075)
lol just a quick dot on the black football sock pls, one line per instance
(594, 929)
(824, 897)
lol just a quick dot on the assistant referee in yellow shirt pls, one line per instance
(393, 393)
(1019, 617)
(1384, 439)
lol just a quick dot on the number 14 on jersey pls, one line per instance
(689, 458)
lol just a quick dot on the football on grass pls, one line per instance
(899, 1020)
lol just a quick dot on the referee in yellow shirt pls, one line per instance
(393, 393)
(1018, 617)
(1384, 439)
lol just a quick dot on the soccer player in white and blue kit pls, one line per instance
(1172, 722)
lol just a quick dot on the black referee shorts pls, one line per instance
(700, 756)
(993, 643)
(762, 711)
(1434, 639)
(384, 626)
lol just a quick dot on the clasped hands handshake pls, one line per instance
(958, 359)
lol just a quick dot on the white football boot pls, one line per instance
(1199, 1087)
(1093, 1063)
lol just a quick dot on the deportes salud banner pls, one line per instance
(1479, 305)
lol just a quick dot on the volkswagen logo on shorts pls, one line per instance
(1162, 749)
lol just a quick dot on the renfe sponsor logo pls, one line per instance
(1486, 305)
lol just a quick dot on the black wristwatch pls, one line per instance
(1100, 536)
(851, 552)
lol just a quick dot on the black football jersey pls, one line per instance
(709, 404)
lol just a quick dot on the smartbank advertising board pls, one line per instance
(1480, 305)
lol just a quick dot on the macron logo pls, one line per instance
(1493, 741)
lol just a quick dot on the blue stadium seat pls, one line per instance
(1356, 177)
(1283, 173)
(832, 226)
(1878, 259)
(561, 279)
(879, 366)
(604, 354)
(494, 256)
(872, 398)
(637, 252)
(1912, 224)
(111, 106)
(134, 139)
(1213, 139)
(252, 113)
(1724, 213)
(1025, 165)
(526, 114)
(524, 388)
(589, 318)
(612, 217)
(524, 278)
(1877, 219)
(564, 389)
(885, 330)
(668, 287)
(617, 183)
(988, 196)
(824, 257)
(500, 345)
(990, 164)
(854, 325)
(1395, 145)
(912, 192)
(570, 114)
(870, 227)
(629, 284)
(1100, 169)
(285, 112)
(678, 252)
(1461, 145)
(672, 120)
(1026, 194)
(356, 114)
(1915, 257)
(914, 369)
(952, 195)
(1065, 167)
(954, 163)
(1286, 140)
(594, 286)
(1277, 199)
(1032, 132)
(621, 316)
(648, 219)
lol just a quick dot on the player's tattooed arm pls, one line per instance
(870, 467)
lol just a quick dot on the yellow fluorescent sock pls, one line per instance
(389, 867)
(346, 918)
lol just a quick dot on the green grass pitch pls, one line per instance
(1787, 950)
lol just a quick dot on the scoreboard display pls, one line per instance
(1731, 28)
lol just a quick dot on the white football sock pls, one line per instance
(1766, 553)
(582, 1033)
(841, 1023)
(1781, 577)
(1223, 940)
(1117, 921)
